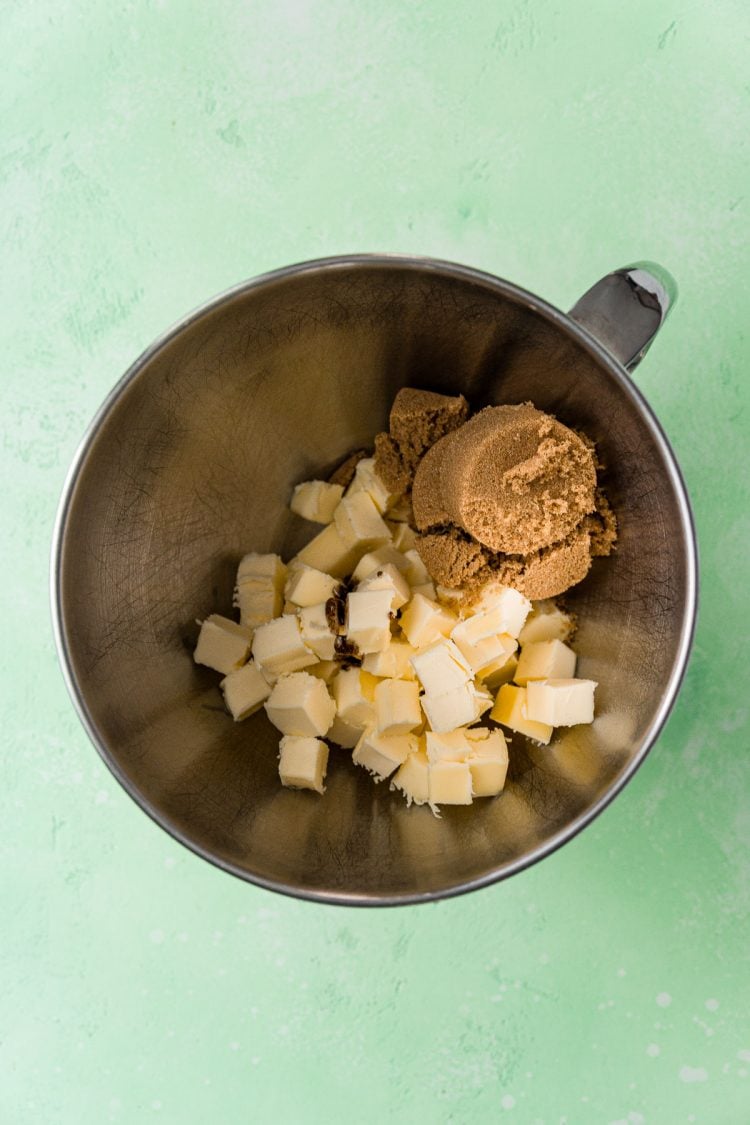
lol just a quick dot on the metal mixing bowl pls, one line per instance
(190, 463)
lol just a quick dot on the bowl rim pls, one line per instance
(564, 323)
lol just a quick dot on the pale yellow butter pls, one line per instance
(278, 647)
(393, 662)
(397, 709)
(561, 702)
(449, 783)
(306, 586)
(546, 623)
(545, 660)
(222, 644)
(368, 619)
(456, 708)
(423, 621)
(381, 754)
(316, 500)
(360, 524)
(316, 632)
(303, 763)
(411, 778)
(328, 552)
(388, 577)
(510, 710)
(300, 704)
(354, 693)
(440, 667)
(245, 691)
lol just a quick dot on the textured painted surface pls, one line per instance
(152, 154)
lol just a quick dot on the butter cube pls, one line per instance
(500, 671)
(488, 761)
(440, 667)
(244, 691)
(510, 710)
(328, 552)
(400, 509)
(423, 621)
(368, 619)
(316, 500)
(259, 591)
(397, 709)
(381, 754)
(483, 700)
(447, 746)
(393, 662)
(545, 660)
(257, 603)
(426, 589)
(449, 783)
(411, 779)
(303, 763)
(388, 578)
(374, 560)
(546, 623)
(451, 597)
(306, 586)
(300, 704)
(278, 647)
(479, 647)
(360, 524)
(343, 733)
(453, 709)
(222, 644)
(324, 670)
(509, 608)
(561, 702)
(416, 572)
(404, 537)
(354, 693)
(366, 479)
(256, 568)
(316, 632)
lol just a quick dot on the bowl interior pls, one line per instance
(192, 465)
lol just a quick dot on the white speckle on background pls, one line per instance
(234, 1045)
(742, 1073)
(102, 797)
(507, 1101)
(169, 862)
(636, 1118)
(157, 936)
(663, 999)
(621, 972)
(744, 1056)
(712, 1005)
(653, 1050)
(156, 1105)
(693, 1074)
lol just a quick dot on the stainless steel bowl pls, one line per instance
(190, 463)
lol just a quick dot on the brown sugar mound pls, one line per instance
(417, 420)
(344, 473)
(425, 497)
(517, 480)
(452, 558)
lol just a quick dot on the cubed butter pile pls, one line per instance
(352, 643)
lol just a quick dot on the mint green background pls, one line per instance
(152, 154)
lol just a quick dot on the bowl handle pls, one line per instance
(626, 309)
